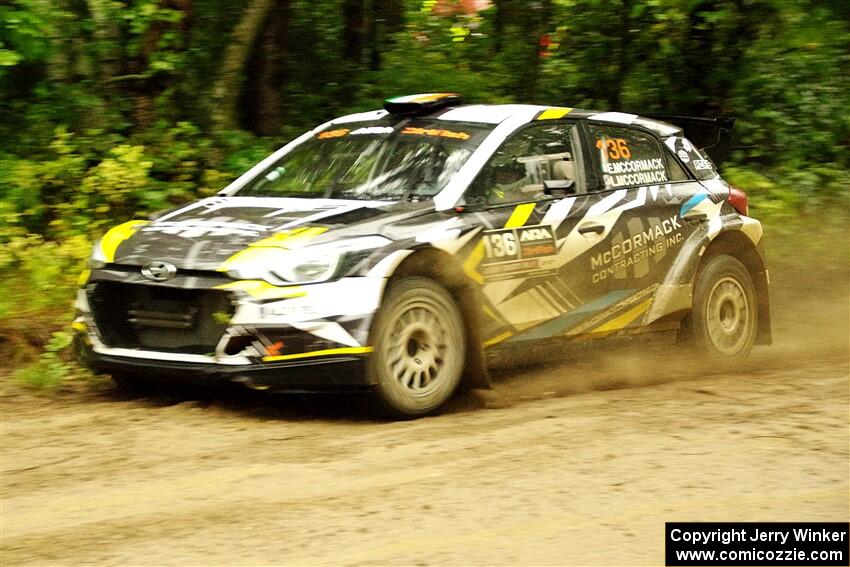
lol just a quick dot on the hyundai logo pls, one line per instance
(159, 271)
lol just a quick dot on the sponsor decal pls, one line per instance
(288, 310)
(493, 271)
(691, 157)
(328, 134)
(620, 170)
(640, 246)
(639, 178)
(374, 130)
(519, 243)
(195, 228)
(435, 132)
(516, 250)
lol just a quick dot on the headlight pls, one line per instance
(307, 268)
(97, 259)
(311, 264)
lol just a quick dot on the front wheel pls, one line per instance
(419, 348)
(725, 315)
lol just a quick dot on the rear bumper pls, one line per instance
(320, 374)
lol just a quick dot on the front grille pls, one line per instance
(159, 318)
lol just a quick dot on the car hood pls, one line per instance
(202, 235)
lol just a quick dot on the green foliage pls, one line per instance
(81, 184)
(106, 105)
(793, 99)
(54, 367)
(38, 283)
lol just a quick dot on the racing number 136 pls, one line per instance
(500, 245)
(615, 148)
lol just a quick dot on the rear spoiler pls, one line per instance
(711, 135)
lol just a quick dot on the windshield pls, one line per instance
(411, 160)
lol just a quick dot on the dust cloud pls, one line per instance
(579, 463)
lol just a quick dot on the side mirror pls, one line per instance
(559, 187)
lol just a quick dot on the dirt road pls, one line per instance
(579, 464)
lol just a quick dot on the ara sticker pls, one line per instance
(521, 243)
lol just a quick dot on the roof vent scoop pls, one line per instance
(421, 103)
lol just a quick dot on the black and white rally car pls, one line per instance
(395, 250)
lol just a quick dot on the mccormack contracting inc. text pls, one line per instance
(757, 543)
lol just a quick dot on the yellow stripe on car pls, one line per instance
(470, 266)
(498, 338)
(112, 239)
(520, 215)
(83, 279)
(247, 256)
(492, 314)
(621, 321)
(554, 113)
(326, 352)
(294, 238)
(258, 252)
(259, 289)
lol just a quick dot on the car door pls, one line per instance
(537, 219)
(645, 209)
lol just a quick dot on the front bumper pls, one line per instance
(307, 338)
(331, 373)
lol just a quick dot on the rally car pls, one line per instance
(395, 250)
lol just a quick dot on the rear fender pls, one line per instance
(739, 239)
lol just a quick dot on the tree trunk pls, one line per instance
(267, 114)
(354, 20)
(535, 25)
(225, 92)
(499, 24)
(374, 33)
(392, 12)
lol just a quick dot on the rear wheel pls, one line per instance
(725, 314)
(419, 348)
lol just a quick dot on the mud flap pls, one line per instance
(475, 374)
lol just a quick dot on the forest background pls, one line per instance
(112, 109)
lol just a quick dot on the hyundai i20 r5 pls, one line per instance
(394, 250)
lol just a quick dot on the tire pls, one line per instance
(419, 349)
(725, 313)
